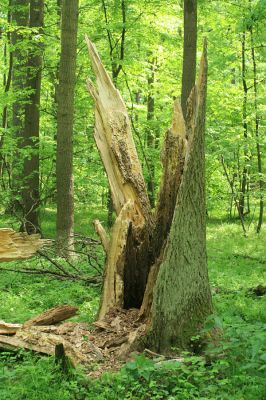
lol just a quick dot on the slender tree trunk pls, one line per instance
(151, 131)
(257, 130)
(20, 18)
(8, 61)
(189, 51)
(244, 177)
(65, 121)
(30, 192)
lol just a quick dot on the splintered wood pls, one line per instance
(18, 245)
(101, 346)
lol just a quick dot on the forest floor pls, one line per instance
(232, 369)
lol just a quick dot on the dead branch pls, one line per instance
(102, 235)
(52, 316)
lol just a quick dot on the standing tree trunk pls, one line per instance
(150, 129)
(65, 121)
(244, 177)
(137, 253)
(30, 191)
(257, 130)
(20, 18)
(189, 51)
(8, 62)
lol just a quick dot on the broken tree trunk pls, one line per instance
(135, 240)
(18, 245)
(114, 139)
(142, 259)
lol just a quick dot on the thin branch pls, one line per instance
(234, 197)
(109, 34)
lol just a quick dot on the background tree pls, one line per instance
(189, 50)
(65, 121)
(30, 142)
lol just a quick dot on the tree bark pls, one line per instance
(182, 298)
(65, 121)
(189, 51)
(30, 191)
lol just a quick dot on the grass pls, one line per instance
(236, 264)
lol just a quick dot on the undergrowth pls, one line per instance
(232, 368)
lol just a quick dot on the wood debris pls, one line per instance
(53, 316)
(18, 245)
(8, 329)
(103, 345)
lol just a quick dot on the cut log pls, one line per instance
(18, 245)
(8, 329)
(52, 316)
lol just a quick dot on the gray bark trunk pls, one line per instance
(20, 18)
(65, 121)
(182, 298)
(30, 192)
(189, 51)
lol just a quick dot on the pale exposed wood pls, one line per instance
(115, 143)
(18, 245)
(113, 289)
(52, 316)
(102, 235)
(8, 329)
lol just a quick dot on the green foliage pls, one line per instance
(235, 365)
(231, 367)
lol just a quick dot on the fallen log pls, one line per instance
(44, 340)
(107, 343)
(52, 316)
